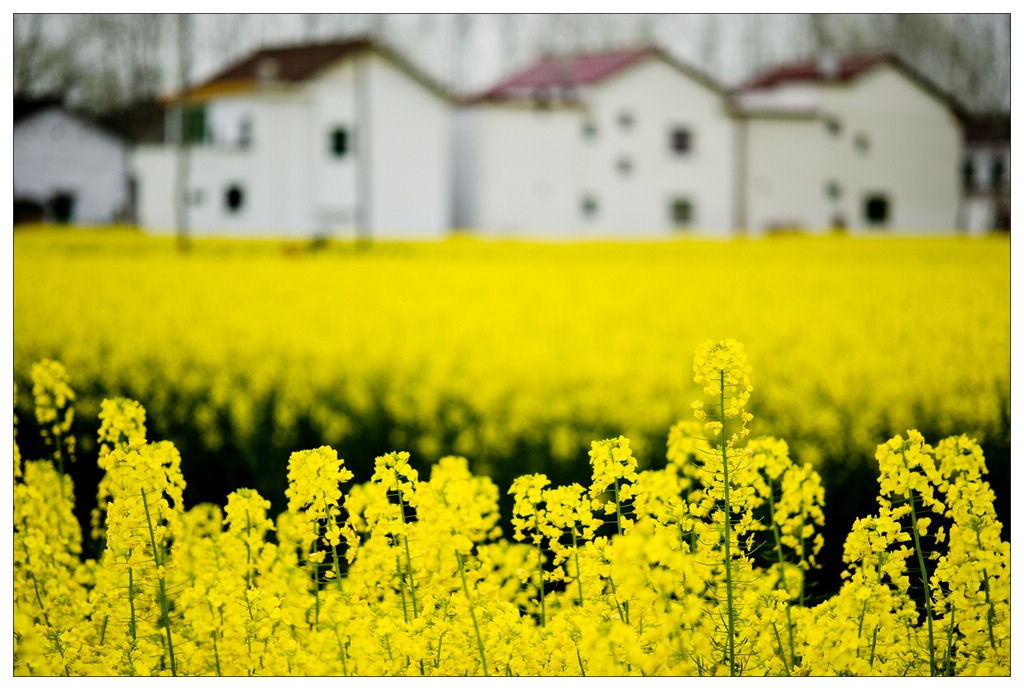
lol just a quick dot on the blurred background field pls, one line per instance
(515, 355)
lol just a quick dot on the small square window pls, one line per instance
(833, 190)
(625, 119)
(681, 211)
(861, 142)
(339, 142)
(588, 206)
(834, 126)
(681, 140)
(234, 198)
(589, 130)
(624, 165)
(876, 210)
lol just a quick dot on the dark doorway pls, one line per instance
(61, 207)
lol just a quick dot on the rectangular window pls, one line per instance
(245, 133)
(339, 142)
(681, 212)
(876, 210)
(681, 140)
(193, 124)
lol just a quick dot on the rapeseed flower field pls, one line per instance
(495, 368)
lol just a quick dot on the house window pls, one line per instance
(61, 207)
(193, 124)
(967, 174)
(588, 205)
(625, 119)
(833, 190)
(997, 171)
(339, 142)
(681, 140)
(861, 142)
(245, 133)
(624, 165)
(876, 210)
(195, 198)
(234, 198)
(589, 130)
(834, 126)
(681, 212)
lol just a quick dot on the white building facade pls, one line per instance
(70, 167)
(629, 144)
(863, 145)
(331, 140)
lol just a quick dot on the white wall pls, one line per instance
(893, 139)
(786, 175)
(913, 150)
(660, 98)
(410, 164)
(56, 152)
(527, 170)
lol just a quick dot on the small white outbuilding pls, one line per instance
(337, 139)
(69, 167)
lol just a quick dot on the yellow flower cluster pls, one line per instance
(430, 587)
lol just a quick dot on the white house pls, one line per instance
(864, 144)
(67, 166)
(630, 143)
(333, 139)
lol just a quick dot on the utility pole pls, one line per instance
(181, 183)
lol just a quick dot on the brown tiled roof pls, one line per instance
(988, 129)
(292, 64)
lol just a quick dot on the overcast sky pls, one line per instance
(468, 53)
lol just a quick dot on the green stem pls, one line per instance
(248, 550)
(337, 568)
(341, 650)
(165, 617)
(408, 556)
(782, 654)
(782, 570)
(615, 597)
(991, 616)
(728, 534)
(618, 508)
(576, 556)
(579, 659)
(401, 586)
(472, 613)
(131, 598)
(540, 567)
(924, 580)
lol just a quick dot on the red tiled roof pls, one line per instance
(847, 69)
(575, 70)
(815, 70)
